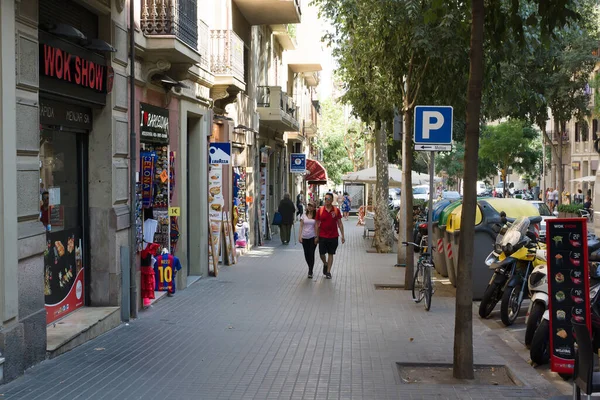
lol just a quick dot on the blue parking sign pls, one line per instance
(297, 163)
(433, 125)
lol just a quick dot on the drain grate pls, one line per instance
(441, 374)
(388, 286)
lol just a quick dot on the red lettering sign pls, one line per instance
(58, 64)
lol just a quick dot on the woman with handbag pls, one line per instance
(308, 235)
(287, 210)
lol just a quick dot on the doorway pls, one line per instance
(63, 212)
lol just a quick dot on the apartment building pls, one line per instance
(207, 72)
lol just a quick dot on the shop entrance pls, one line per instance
(63, 212)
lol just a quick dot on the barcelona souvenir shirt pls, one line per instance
(165, 269)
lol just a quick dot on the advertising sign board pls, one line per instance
(568, 287)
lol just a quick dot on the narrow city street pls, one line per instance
(262, 330)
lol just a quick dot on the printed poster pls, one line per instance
(63, 273)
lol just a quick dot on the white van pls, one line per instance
(480, 187)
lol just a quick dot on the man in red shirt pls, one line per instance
(328, 220)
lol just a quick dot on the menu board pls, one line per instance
(568, 287)
(215, 208)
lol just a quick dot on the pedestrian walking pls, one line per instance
(287, 210)
(555, 197)
(346, 205)
(308, 236)
(328, 221)
(339, 199)
(300, 205)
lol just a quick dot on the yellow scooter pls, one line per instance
(516, 253)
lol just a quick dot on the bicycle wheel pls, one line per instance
(428, 288)
(417, 288)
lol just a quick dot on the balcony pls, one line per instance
(276, 109)
(270, 12)
(171, 31)
(285, 35)
(227, 61)
(310, 123)
(295, 137)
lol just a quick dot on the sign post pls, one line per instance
(568, 288)
(433, 132)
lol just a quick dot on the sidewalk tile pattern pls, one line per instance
(262, 330)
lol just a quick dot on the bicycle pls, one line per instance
(422, 283)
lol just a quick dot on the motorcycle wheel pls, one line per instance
(535, 317)
(540, 344)
(510, 306)
(492, 294)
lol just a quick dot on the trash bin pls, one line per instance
(442, 224)
(453, 234)
(487, 224)
(437, 240)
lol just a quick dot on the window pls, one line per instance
(594, 129)
(577, 132)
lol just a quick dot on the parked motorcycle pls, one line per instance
(539, 352)
(538, 288)
(514, 257)
(540, 342)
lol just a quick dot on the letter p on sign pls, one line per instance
(433, 125)
(428, 122)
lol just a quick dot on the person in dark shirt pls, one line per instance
(300, 205)
(45, 209)
(287, 210)
(588, 204)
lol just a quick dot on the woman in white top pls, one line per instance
(308, 236)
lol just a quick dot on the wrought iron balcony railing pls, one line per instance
(227, 56)
(171, 17)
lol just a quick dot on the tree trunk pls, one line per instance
(463, 324)
(405, 255)
(561, 169)
(383, 224)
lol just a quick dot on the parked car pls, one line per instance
(545, 213)
(394, 197)
(421, 192)
(451, 195)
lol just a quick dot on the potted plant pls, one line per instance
(569, 210)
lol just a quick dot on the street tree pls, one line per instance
(548, 73)
(342, 141)
(501, 20)
(510, 144)
(402, 60)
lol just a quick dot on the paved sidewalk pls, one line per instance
(262, 330)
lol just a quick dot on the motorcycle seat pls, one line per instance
(593, 244)
(595, 256)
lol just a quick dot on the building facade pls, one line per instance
(206, 71)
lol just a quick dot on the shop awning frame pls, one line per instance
(316, 173)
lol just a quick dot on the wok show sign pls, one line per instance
(568, 288)
(72, 71)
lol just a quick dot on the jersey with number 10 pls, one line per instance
(164, 269)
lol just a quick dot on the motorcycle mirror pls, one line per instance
(503, 217)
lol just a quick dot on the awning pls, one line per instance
(316, 173)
